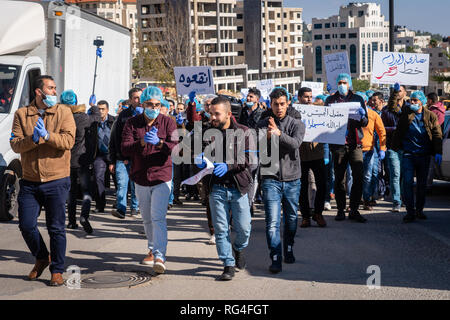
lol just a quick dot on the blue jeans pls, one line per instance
(394, 161)
(419, 164)
(153, 203)
(221, 201)
(122, 175)
(275, 194)
(52, 196)
(171, 197)
(368, 165)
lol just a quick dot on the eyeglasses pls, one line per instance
(151, 105)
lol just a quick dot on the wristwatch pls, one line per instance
(47, 136)
(161, 141)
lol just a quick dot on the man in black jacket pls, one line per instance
(281, 177)
(351, 152)
(119, 163)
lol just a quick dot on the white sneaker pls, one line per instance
(159, 266)
(327, 206)
(212, 240)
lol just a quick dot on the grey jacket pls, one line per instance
(287, 165)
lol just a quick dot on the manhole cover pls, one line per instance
(105, 280)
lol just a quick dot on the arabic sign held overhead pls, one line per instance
(198, 79)
(324, 124)
(266, 87)
(404, 68)
(335, 64)
(316, 87)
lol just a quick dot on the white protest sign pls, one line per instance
(352, 107)
(198, 79)
(335, 64)
(405, 68)
(324, 124)
(199, 176)
(316, 87)
(266, 87)
(244, 93)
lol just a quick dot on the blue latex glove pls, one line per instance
(381, 155)
(362, 112)
(327, 161)
(192, 96)
(396, 86)
(92, 100)
(139, 110)
(179, 119)
(220, 169)
(12, 136)
(35, 136)
(199, 162)
(40, 128)
(99, 52)
(152, 137)
(328, 87)
(438, 159)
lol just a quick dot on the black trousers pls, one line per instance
(79, 176)
(319, 170)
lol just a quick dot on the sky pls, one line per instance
(431, 15)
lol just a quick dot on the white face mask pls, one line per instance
(343, 89)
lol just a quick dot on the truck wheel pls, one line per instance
(8, 196)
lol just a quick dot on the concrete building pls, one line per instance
(269, 41)
(360, 29)
(123, 12)
(308, 60)
(439, 65)
(211, 27)
(404, 38)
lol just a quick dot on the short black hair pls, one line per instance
(103, 102)
(255, 91)
(39, 81)
(133, 90)
(379, 95)
(278, 93)
(222, 100)
(433, 97)
(303, 90)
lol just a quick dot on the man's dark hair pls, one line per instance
(303, 90)
(222, 100)
(255, 91)
(379, 95)
(433, 97)
(103, 102)
(133, 90)
(39, 82)
(278, 93)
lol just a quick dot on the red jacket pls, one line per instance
(439, 110)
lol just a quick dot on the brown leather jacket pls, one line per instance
(46, 160)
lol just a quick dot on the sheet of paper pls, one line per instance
(199, 176)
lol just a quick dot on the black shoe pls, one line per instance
(169, 207)
(86, 225)
(252, 210)
(289, 255)
(72, 225)
(196, 197)
(188, 197)
(118, 214)
(134, 212)
(178, 202)
(356, 216)
(409, 218)
(275, 267)
(101, 210)
(240, 259)
(421, 216)
(340, 216)
(228, 274)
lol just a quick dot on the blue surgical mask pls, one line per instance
(49, 100)
(151, 113)
(249, 104)
(414, 107)
(343, 89)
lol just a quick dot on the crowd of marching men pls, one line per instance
(70, 151)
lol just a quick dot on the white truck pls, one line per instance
(57, 39)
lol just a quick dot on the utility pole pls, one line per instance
(196, 45)
(391, 25)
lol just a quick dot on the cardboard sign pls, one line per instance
(335, 64)
(266, 87)
(198, 79)
(403, 68)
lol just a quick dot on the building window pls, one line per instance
(285, 15)
(240, 40)
(279, 39)
(299, 39)
(279, 51)
(327, 26)
(352, 35)
(343, 36)
(239, 16)
(318, 26)
(327, 47)
(386, 48)
(327, 37)
(240, 28)
(278, 27)
(319, 60)
(360, 13)
(279, 63)
(343, 47)
(318, 37)
(298, 16)
(363, 58)
(285, 51)
(369, 59)
(240, 53)
(342, 24)
(278, 15)
(285, 39)
(353, 58)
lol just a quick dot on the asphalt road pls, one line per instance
(332, 263)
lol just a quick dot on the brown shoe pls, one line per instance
(149, 259)
(367, 206)
(306, 222)
(320, 220)
(39, 267)
(159, 266)
(57, 280)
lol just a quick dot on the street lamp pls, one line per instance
(391, 25)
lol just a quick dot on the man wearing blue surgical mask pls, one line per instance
(351, 152)
(251, 110)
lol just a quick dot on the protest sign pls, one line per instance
(405, 68)
(324, 124)
(198, 79)
(335, 64)
(266, 87)
(352, 107)
(199, 176)
(316, 87)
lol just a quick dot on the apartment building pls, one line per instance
(360, 29)
(210, 24)
(405, 38)
(439, 65)
(269, 41)
(123, 12)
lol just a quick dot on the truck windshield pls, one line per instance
(8, 82)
